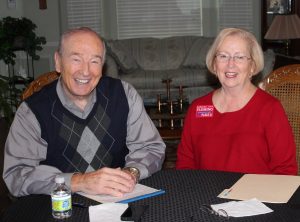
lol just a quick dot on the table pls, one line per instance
(186, 191)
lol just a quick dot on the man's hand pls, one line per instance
(110, 181)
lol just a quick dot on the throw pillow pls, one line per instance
(197, 53)
(269, 60)
(123, 58)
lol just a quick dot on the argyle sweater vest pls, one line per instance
(83, 145)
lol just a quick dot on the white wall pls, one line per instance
(48, 25)
(5, 11)
(15, 12)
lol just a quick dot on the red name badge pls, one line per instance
(204, 111)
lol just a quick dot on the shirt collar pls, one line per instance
(70, 105)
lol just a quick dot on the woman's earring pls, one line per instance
(250, 75)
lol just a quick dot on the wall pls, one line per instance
(4, 11)
(48, 25)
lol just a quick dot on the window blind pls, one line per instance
(236, 13)
(85, 13)
(158, 18)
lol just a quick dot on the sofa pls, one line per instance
(146, 62)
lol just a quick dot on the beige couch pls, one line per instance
(145, 62)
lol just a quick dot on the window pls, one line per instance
(158, 18)
(85, 13)
(236, 13)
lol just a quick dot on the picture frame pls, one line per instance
(279, 6)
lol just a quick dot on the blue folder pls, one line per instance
(159, 192)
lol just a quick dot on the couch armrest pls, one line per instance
(110, 67)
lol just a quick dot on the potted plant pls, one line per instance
(18, 34)
(5, 108)
(9, 98)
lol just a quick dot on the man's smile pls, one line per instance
(82, 81)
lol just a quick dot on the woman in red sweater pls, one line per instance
(238, 127)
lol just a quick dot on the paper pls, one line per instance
(243, 208)
(140, 192)
(266, 188)
(107, 212)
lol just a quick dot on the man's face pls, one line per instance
(80, 64)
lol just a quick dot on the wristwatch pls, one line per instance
(133, 171)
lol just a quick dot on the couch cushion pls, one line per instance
(269, 60)
(119, 51)
(163, 54)
(196, 56)
(152, 79)
(150, 53)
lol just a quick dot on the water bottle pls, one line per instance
(61, 200)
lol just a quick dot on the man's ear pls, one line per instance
(57, 60)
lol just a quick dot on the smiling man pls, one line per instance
(91, 129)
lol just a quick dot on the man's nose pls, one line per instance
(85, 69)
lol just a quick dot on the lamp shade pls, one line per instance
(284, 27)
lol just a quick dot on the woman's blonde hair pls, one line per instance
(254, 48)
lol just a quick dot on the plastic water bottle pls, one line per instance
(61, 200)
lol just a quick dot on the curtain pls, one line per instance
(158, 18)
(85, 13)
(236, 13)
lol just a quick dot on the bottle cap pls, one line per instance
(59, 179)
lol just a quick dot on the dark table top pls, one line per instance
(186, 192)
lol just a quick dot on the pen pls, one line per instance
(227, 192)
(80, 205)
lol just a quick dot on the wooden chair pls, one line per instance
(284, 83)
(37, 84)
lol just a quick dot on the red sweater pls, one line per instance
(255, 139)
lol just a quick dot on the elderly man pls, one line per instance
(85, 127)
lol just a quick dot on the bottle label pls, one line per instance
(61, 203)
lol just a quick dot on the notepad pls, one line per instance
(140, 192)
(265, 188)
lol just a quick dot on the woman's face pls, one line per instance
(233, 64)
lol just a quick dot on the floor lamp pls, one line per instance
(284, 27)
